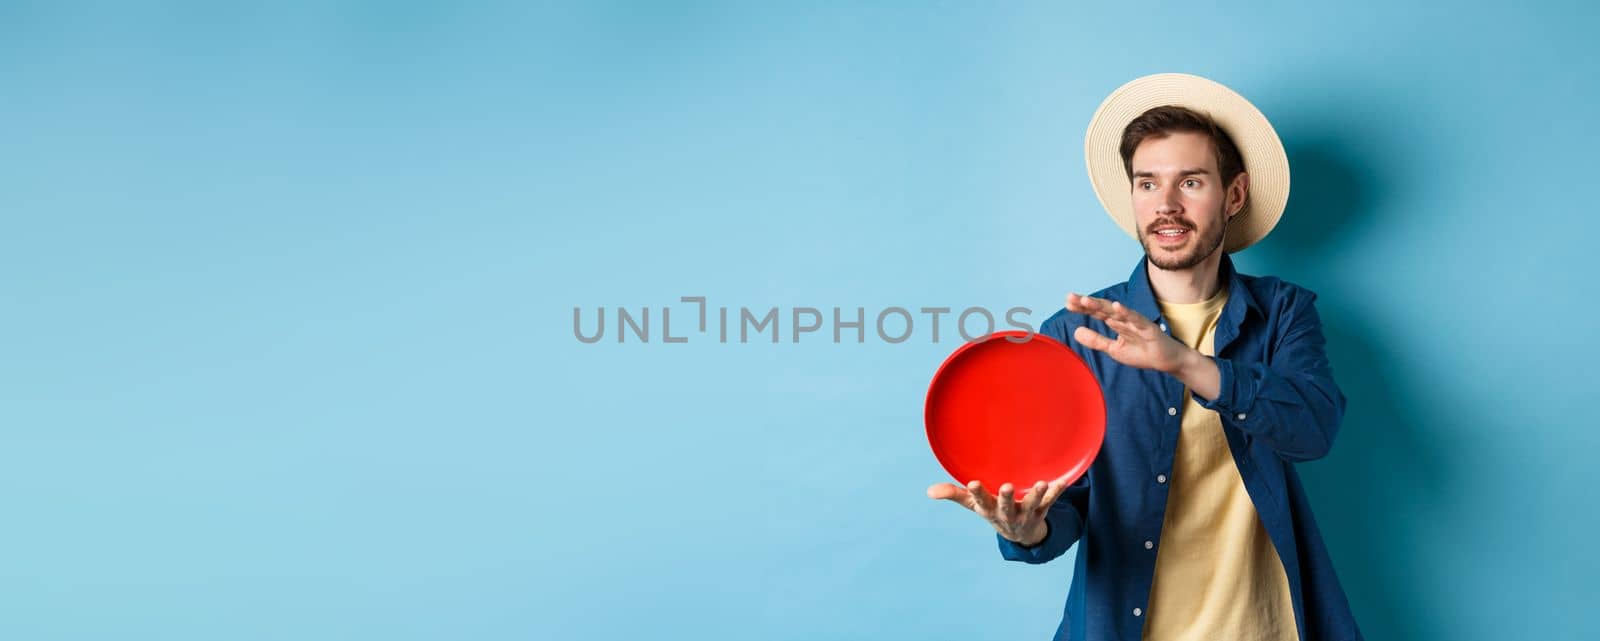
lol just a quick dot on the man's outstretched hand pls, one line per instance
(1019, 521)
(1139, 342)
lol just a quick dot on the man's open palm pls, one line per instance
(1139, 342)
(1020, 521)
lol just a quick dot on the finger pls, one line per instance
(1110, 310)
(1124, 326)
(1092, 306)
(982, 502)
(951, 492)
(1092, 339)
(1080, 303)
(1031, 502)
(1122, 312)
(1053, 492)
(1077, 302)
(1008, 502)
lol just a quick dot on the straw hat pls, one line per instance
(1264, 158)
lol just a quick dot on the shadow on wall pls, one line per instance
(1387, 466)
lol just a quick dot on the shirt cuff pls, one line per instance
(1046, 549)
(1231, 399)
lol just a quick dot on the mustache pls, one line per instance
(1169, 222)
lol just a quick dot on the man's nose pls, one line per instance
(1168, 202)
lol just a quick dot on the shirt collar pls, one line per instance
(1143, 300)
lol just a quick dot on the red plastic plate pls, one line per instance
(1015, 412)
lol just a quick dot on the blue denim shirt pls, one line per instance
(1279, 405)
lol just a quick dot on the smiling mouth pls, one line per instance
(1171, 236)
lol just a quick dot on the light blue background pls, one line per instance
(287, 296)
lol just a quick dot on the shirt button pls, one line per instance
(1240, 416)
(1172, 411)
(1163, 327)
(1161, 478)
(1149, 545)
(1137, 612)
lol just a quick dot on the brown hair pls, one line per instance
(1161, 122)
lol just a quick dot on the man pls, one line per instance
(1193, 521)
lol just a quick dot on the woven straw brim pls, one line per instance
(1264, 158)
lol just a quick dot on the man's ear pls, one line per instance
(1237, 193)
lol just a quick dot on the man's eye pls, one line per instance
(1145, 185)
(1191, 182)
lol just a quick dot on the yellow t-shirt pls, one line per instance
(1217, 574)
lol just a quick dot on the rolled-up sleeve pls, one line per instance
(1291, 403)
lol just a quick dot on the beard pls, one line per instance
(1198, 248)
